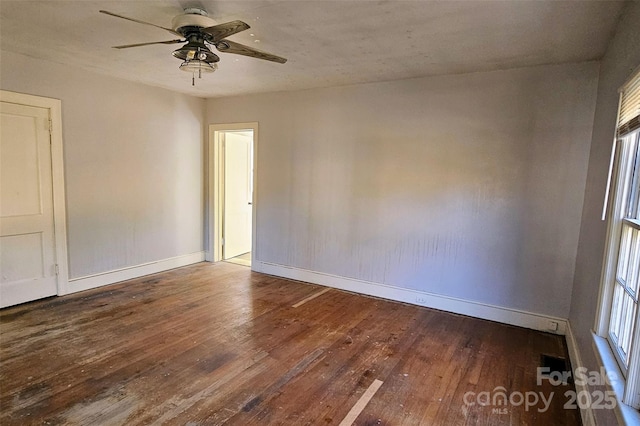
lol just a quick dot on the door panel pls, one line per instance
(27, 253)
(237, 195)
(22, 257)
(19, 173)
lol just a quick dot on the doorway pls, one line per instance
(232, 193)
(33, 258)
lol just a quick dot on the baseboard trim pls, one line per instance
(98, 280)
(450, 304)
(586, 413)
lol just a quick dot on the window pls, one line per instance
(624, 304)
(619, 317)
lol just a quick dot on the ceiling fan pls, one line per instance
(197, 30)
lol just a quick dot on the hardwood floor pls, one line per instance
(216, 343)
(243, 259)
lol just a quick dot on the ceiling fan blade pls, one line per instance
(225, 30)
(126, 46)
(228, 46)
(141, 22)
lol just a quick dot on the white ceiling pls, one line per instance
(328, 43)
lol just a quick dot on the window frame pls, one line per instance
(623, 176)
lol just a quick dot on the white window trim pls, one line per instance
(627, 390)
(625, 413)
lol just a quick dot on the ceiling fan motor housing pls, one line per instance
(191, 22)
(189, 25)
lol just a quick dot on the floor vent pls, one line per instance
(554, 364)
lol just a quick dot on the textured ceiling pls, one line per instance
(328, 43)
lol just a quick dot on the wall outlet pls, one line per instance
(421, 300)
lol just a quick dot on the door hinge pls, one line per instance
(222, 241)
(57, 269)
(50, 126)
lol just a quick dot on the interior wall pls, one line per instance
(621, 58)
(468, 186)
(133, 165)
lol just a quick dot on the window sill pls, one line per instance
(626, 415)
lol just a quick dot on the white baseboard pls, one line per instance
(450, 304)
(110, 277)
(588, 418)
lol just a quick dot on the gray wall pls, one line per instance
(133, 164)
(622, 57)
(468, 186)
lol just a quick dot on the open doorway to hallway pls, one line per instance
(237, 147)
(232, 213)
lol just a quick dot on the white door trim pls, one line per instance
(57, 172)
(214, 192)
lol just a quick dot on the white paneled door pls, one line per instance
(237, 194)
(27, 246)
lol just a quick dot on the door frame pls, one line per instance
(215, 170)
(57, 176)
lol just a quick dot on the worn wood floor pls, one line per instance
(211, 344)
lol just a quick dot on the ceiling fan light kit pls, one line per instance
(199, 30)
(196, 66)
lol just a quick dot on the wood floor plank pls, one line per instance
(313, 296)
(355, 411)
(216, 344)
